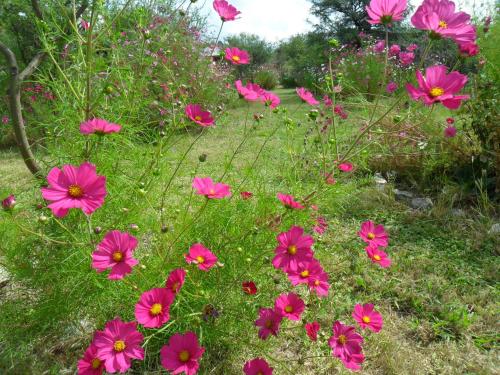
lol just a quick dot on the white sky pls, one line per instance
(278, 19)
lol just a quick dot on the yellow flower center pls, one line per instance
(211, 192)
(366, 319)
(377, 257)
(260, 373)
(289, 309)
(443, 24)
(304, 274)
(370, 236)
(236, 58)
(316, 283)
(198, 118)
(184, 356)
(119, 346)
(436, 91)
(96, 363)
(292, 249)
(269, 323)
(200, 259)
(75, 191)
(156, 309)
(117, 256)
(342, 339)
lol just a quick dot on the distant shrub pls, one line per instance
(266, 79)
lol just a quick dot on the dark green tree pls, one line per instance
(343, 19)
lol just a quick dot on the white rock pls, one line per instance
(495, 229)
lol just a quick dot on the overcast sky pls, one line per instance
(279, 19)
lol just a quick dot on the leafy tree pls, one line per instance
(300, 58)
(341, 18)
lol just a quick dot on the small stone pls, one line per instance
(421, 203)
(380, 182)
(4, 277)
(495, 229)
(403, 195)
(458, 212)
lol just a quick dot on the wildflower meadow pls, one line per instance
(177, 198)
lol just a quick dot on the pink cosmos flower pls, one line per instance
(312, 330)
(182, 354)
(290, 306)
(318, 283)
(391, 87)
(373, 234)
(292, 248)
(306, 271)
(346, 167)
(306, 96)
(412, 47)
(450, 132)
(257, 366)
(345, 344)
(439, 17)
(289, 201)
(201, 256)
(226, 11)
(237, 56)
(269, 99)
(269, 322)
(205, 186)
(406, 58)
(439, 87)
(385, 12)
(115, 251)
(175, 280)
(251, 92)
(379, 47)
(450, 120)
(329, 180)
(245, 195)
(394, 50)
(90, 364)
(339, 110)
(5, 119)
(378, 256)
(75, 187)
(98, 126)
(9, 203)
(354, 361)
(327, 101)
(367, 317)
(196, 114)
(321, 225)
(153, 308)
(118, 344)
(469, 49)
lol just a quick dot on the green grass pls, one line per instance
(439, 299)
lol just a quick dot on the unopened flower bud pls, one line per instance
(9, 203)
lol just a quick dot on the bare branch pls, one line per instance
(82, 9)
(16, 111)
(31, 67)
(36, 9)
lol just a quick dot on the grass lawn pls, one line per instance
(439, 299)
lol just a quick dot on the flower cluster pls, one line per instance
(252, 92)
(376, 238)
